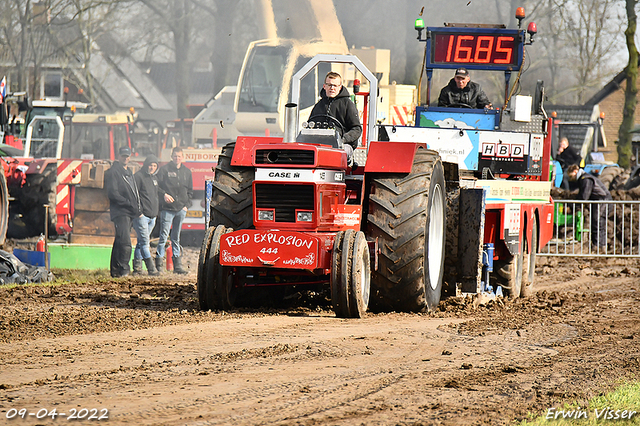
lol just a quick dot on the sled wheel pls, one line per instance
(529, 267)
(212, 266)
(201, 282)
(360, 287)
(509, 274)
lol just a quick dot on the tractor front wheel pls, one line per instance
(212, 267)
(201, 282)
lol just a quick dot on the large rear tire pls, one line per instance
(529, 266)
(232, 197)
(407, 216)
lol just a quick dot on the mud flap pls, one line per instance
(470, 238)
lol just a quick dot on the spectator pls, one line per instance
(463, 93)
(591, 188)
(567, 155)
(124, 206)
(175, 192)
(147, 183)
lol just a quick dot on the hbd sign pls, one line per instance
(502, 150)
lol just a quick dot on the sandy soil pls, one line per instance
(140, 350)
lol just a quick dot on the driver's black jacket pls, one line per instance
(471, 95)
(342, 109)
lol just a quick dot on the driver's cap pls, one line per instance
(462, 72)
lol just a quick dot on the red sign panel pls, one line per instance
(280, 249)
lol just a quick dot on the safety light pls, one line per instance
(356, 86)
(602, 115)
(305, 216)
(419, 26)
(520, 16)
(265, 215)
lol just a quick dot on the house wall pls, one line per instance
(612, 107)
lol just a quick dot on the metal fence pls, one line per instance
(595, 229)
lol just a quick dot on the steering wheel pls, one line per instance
(460, 105)
(326, 118)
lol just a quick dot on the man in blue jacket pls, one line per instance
(175, 190)
(124, 206)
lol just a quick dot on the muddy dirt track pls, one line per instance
(139, 351)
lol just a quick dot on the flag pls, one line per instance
(3, 89)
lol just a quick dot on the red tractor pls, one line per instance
(291, 212)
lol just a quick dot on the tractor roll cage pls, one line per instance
(372, 130)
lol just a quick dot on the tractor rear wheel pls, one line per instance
(407, 216)
(232, 198)
(201, 282)
(529, 266)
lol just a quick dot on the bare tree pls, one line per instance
(631, 91)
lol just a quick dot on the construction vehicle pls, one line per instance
(57, 151)
(290, 211)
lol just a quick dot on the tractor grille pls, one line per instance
(285, 199)
(285, 156)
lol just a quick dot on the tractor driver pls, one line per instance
(461, 92)
(335, 105)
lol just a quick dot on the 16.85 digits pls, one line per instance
(470, 48)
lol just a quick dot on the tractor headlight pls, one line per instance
(305, 216)
(265, 215)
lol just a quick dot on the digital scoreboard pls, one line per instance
(474, 48)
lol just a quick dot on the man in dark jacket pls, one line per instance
(124, 206)
(463, 93)
(335, 105)
(147, 184)
(567, 156)
(175, 192)
(592, 188)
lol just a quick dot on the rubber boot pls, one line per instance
(177, 266)
(151, 266)
(160, 264)
(137, 266)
